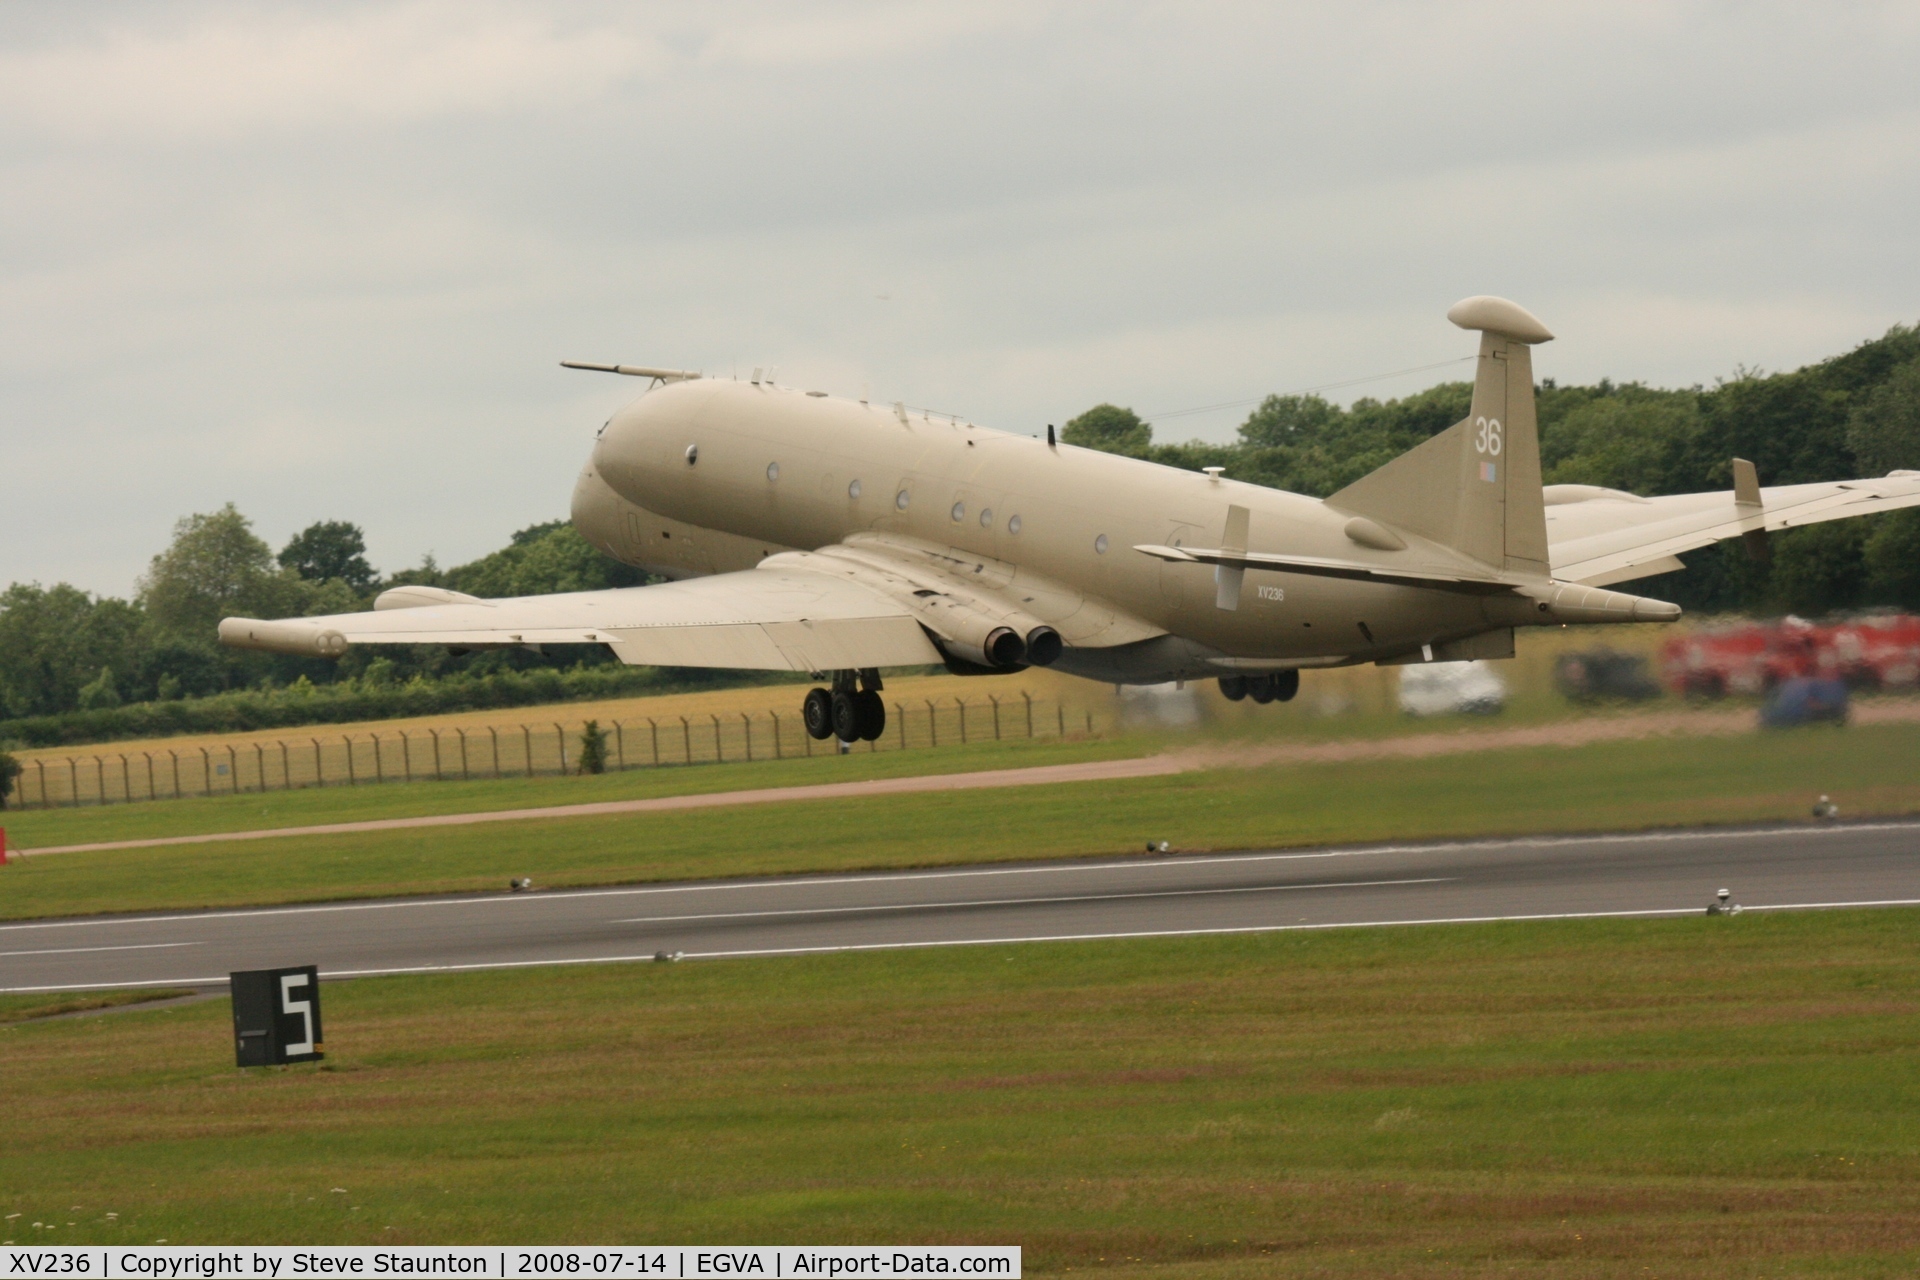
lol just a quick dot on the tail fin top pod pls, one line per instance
(1475, 487)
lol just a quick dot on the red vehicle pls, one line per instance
(1879, 651)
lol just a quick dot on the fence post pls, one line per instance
(620, 745)
(260, 764)
(900, 714)
(176, 777)
(747, 722)
(233, 770)
(775, 717)
(526, 744)
(933, 721)
(464, 775)
(560, 736)
(1029, 700)
(1089, 723)
(406, 754)
(379, 759)
(1061, 707)
(150, 792)
(126, 781)
(653, 731)
(686, 739)
(319, 774)
(719, 756)
(353, 778)
(438, 776)
(961, 703)
(286, 768)
(996, 715)
(495, 735)
(41, 766)
(100, 779)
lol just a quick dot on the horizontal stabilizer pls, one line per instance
(1319, 566)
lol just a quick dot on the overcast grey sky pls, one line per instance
(321, 260)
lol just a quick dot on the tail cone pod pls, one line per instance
(1570, 602)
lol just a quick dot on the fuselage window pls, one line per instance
(693, 454)
(1100, 545)
(1013, 524)
(853, 490)
(986, 517)
(959, 511)
(773, 472)
(901, 499)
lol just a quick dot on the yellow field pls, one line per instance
(759, 722)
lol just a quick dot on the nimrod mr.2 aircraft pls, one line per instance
(809, 533)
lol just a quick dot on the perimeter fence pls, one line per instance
(519, 750)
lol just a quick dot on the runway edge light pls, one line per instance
(276, 1016)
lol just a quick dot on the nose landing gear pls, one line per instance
(852, 711)
(1275, 686)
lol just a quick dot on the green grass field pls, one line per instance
(1731, 1097)
(1606, 786)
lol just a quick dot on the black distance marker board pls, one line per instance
(276, 1016)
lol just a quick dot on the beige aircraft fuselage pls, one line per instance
(702, 476)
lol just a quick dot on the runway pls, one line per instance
(1648, 874)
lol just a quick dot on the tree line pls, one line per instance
(1855, 415)
(80, 667)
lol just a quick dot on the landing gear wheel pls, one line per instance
(846, 716)
(1233, 688)
(1285, 685)
(817, 713)
(1260, 689)
(870, 709)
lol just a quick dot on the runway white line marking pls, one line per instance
(971, 942)
(1027, 902)
(1071, 868)
(73, 951)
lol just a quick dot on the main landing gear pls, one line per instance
(1274, 686)
(851, 711)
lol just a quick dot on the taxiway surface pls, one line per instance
(1648, 873)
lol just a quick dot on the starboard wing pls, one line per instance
(1598, 536)
(768, 618)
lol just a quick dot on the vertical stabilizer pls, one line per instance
(1475, 487)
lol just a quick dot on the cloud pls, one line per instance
(250, 74)
(321, 259)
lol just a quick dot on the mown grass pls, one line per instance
(1606, 786)
(1735, 1097)
(17, 1007)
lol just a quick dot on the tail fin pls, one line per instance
(1475, 487)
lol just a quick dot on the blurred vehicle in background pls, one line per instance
(1876, 652)
(1805, 700)
(1604, 675)
(1452, 688)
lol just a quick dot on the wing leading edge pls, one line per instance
(776, 619)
